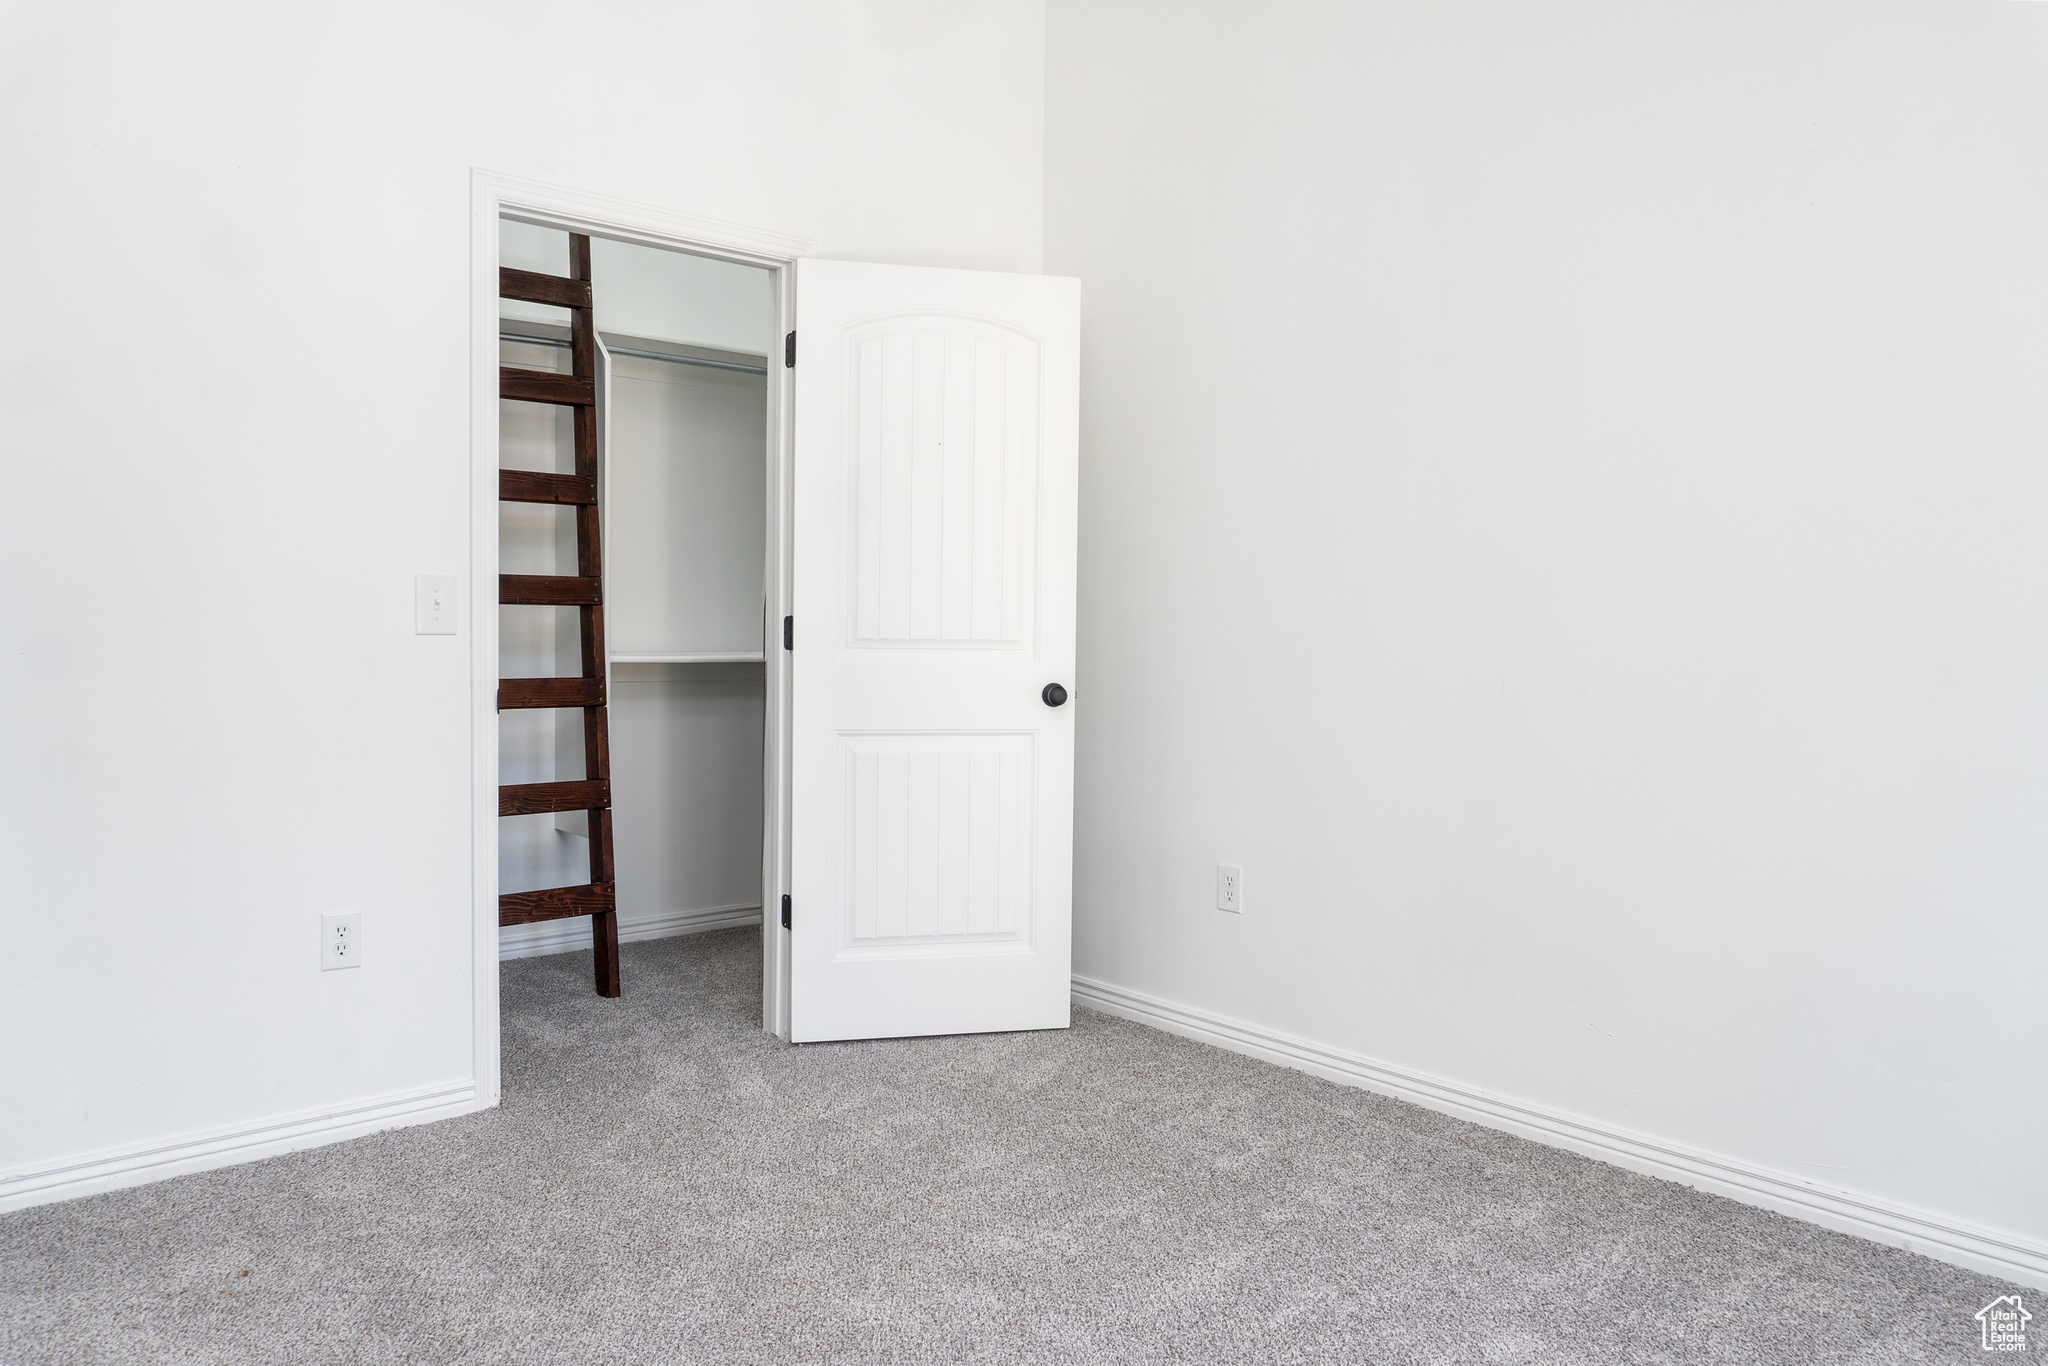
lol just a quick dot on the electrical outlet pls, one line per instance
(1230, 888)
(341, 941)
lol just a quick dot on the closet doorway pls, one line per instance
(682, 362)
(839, 564)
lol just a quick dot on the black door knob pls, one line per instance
(1054, 694)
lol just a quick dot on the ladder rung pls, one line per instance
(536, 288)
(539, 386)
(548, 590)
(553, 903)
(517, 693)
(530, 799)
(530, 486)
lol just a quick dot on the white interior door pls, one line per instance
(932, 785)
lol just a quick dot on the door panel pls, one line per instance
(939, 847)
(946, 421)
(932, 803)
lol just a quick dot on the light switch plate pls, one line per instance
(433, 605)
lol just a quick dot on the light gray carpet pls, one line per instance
(664, 1183)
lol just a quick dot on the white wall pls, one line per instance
(1563, 491)
(218, 721)
(686, 785)
(686, 509)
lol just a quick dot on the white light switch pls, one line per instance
(433, 605)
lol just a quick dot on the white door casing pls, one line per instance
(933, 591)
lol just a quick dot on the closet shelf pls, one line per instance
(737, 657)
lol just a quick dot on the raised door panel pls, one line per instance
(939, 843)
(944, 426)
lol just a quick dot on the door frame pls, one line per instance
(494, 195)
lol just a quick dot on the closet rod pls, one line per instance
(647, 355)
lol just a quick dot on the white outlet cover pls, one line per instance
(1230, 888)
(341, 941)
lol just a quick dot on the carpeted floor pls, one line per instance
(664, 1183)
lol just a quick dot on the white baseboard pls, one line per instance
(1994, 1252)
(134, 1164)
(138, 1163)
(565, 936)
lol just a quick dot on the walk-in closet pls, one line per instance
(681, 409)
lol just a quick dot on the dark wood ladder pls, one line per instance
(583, 591)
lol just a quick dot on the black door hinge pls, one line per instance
(785, 910)
(789, 350)
(789, 633)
